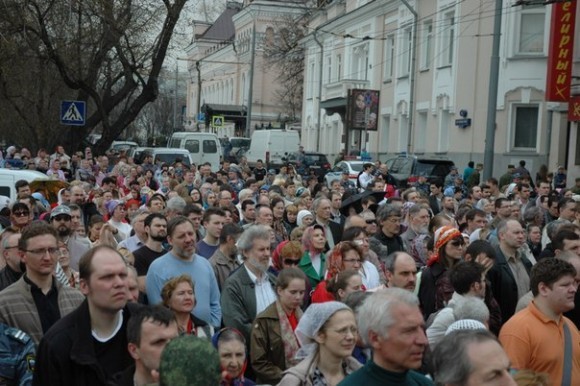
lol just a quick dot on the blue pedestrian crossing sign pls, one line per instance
(73, 113)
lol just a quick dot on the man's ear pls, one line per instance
(133, 350)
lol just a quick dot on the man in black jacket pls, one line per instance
(89, 345)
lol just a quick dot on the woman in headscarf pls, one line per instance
(277, 207)
(435, 289)
(326, 332)
(273, 344)
(305, 218)
(231, 347)
(313, 262)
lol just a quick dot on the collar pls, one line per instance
(255, 279)
(534, 310)
(35, 287)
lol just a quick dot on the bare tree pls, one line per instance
(284, 54)
(108, 53)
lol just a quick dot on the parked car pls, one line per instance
(353, 168)
(167, 155)
(406, 169)
(316, 163)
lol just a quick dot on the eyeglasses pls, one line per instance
(458, 242)
(291, 262)
(394, 220)
(43, 251)
(346, 330)
(354, 261)
(62, 217)
(21, 213)
(371, 221)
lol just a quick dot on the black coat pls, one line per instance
(503, 284)
(66, 355)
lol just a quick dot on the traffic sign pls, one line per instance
(217, 120)
(73, 113)
(200, 117)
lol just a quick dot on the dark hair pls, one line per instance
(565, 201)
(477, 247)
(437, 222)
(472, 213)
(21, 184)
(149, 219)
(175, 222)
(86, 261)
(155, 314)
(561, 235)
(36, 228)
(211, 212)
(230, 230)
(340, 281)
(191, 208)
(438, 182)
(391, 260)
(274, 201)
(351, 233)
(549, 271)
(463, 274)
(247, 202)
(108, 180)
(287, 275)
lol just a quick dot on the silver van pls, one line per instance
(203, 147)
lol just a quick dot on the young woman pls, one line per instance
(277, 206)
(327, 333)
(345, 283)
(196, 196)
(231, 347)
(435, 289)
(178, 295)
(273, 345)
(209, 199)
(290, 217)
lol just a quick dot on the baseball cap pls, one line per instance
(61, 209)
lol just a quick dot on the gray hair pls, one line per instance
(553, 226)
(376, 313)
(317, 201)
(391, 259)
(450, 359)
(530, 214)
(138, 213)
(471, 307)
(349, 220)
(389, 210)
(246, 240)
(176, 203)
(245, 194)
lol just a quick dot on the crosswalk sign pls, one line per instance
(73, 113)
(217, 120)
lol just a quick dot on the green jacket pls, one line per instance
(306, 266)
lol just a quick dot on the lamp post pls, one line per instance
(412, 73)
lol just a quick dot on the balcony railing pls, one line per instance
(340, 89)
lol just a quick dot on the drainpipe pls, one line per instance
(251, 80)
(319, 114)
(412, 74)
(549, 133)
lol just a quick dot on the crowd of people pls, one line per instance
(166, 274)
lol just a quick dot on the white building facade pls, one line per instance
(372, 45)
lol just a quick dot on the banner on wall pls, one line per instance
(363, 109)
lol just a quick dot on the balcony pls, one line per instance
(340, 89)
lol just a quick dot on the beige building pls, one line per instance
(220, 62)
(372, 45)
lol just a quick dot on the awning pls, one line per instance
(230, 112)
(334, 105)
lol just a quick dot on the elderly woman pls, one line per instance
(327, 333)
(313, 261)
(179, 296)
(435, 289)
(273, 345)
(231, 347)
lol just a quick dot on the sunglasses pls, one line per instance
(291, 262)
(21, 213)
(373, 221)
(457, 242)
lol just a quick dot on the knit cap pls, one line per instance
(465, 324)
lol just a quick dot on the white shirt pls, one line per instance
(265, 294)
(370, 275)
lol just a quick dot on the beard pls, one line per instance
(159, 238)
(63, 231)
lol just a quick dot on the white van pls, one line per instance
(203, 147)
(271, 146)
(166, 155)
(8, 178)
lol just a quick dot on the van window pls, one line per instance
(174, 142)
(170, 159)
(192, 145)
(5, 191)
(209, 146)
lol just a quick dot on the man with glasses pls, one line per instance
(13, 269)
(37, 300)
(510, 274)
(389, 217)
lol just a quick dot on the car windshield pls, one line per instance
(240, 142)
(358, 167)
(313, 159)
(169, 158)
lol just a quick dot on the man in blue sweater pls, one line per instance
(391, 324)
(182, 259)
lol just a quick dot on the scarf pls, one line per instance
(291, 345)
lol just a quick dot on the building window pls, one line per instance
(385, 132)
(443, 131)
(310, 85)
(525, 125)
(530, 27)
(427, 46)
(360, 62)
(447, 39)
(338, 67)
(389, 57)
(328, 69)
(403, 132)
(420, 135)
(405, 51)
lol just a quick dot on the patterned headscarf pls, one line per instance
(442, 236)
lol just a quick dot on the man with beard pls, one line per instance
(418, 224)
(156, 230)
(78, 197)
(60, 219)
(250, 289)
(182, 259)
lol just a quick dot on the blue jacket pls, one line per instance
(17, 356)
